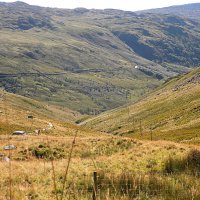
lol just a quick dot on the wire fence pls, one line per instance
(130, 186)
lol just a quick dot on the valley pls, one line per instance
(99, 104)
(107, 57)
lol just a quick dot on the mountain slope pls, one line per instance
(188, 10)
(96, 51)
(171, 112)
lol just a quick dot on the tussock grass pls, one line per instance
(126, 168)
(147, 186)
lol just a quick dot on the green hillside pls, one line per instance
(96, 50)
(171, 112)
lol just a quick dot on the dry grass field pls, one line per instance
(59, 162)
(38, 161)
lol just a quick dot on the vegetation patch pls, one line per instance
(44, 151)
(190, 163)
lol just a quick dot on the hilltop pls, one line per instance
(187, 11)
(107, 58)
(171, 112)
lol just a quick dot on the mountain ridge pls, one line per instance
(110, 57)
(187, 10)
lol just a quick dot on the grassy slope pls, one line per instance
(110, 41)
(15, 109)
(171, 112)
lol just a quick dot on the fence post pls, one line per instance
(141, 128)
(151, 132)
(94, 195)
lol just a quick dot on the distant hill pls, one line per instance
(105, 58)
(171, 112)
(187, 11)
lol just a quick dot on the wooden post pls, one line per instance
(151, 132)
(94, 196)
(141, 127)
(128, 109)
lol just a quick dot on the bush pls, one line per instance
(44, 151)
(193, 159)
(191, 163)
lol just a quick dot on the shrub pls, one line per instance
(191, 163)
(44, 151)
